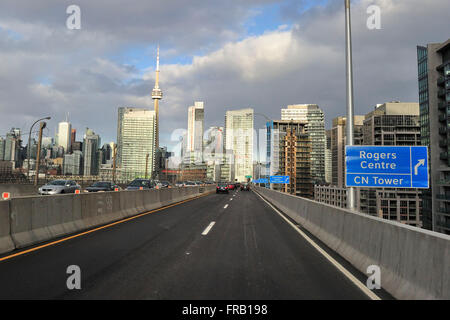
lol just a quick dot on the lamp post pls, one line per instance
(38, 155)
(349, 72)
(146, 165)
(29, 147)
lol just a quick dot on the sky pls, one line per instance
(234, 54)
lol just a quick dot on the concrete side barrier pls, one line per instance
(18, 190)
(6, 243)
(414, 263)
(152, 200)
(26, 221)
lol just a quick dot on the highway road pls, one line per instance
(218, 246)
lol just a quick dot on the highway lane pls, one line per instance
(216, 247)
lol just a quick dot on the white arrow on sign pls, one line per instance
(416, 168)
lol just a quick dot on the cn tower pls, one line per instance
(156, 96)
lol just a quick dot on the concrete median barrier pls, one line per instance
(26, 221)
(414, 263)
(6, 242)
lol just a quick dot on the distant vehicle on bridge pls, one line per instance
(141, 184)
(231, 186)
(164, 184)
(222, 188)
(102, 186)
(59, 187)
(245, 187)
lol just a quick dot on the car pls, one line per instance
(222, 188)
(179, 184)
(231, 186)
(141, 184)
(189, 184)
(245, 187)
(102, 186)
(59, 187)
(164, 184)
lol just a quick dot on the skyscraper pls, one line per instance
(156, 96)
(2, 149)
(73, 138)
(289, 149)
(313, 116)
(434, 99)
(239, 139)
(12, 146)
(328, 159)
(135, 139)
(73, 163)
(194, 142)
(64, 135)
(91, 144)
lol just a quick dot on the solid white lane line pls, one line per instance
(231, 199)
(346, 273)
(226, 206)
(208, 228)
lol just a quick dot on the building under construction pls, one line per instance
(289, 151)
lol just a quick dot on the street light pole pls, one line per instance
(146, 165)
(29, 147)
(38, 155)
(351, 199)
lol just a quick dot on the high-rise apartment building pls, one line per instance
(64, 135)
(12, 146)
(73, 163)
(239, 139)
(91, 144)
(434, 98)
(194, 142)
(328, 159)
(135, 140)
(315, 127)
(289, 154)
(338, 141)
(2, 149)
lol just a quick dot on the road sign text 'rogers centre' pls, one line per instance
(386, 167)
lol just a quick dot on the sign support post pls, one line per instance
(351, 197)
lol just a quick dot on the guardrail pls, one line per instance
(26, 221)
(414, 263)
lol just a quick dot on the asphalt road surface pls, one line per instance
(219, 246)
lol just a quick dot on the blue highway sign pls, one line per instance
(279, 179)
(261, 181)
(386, 167)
